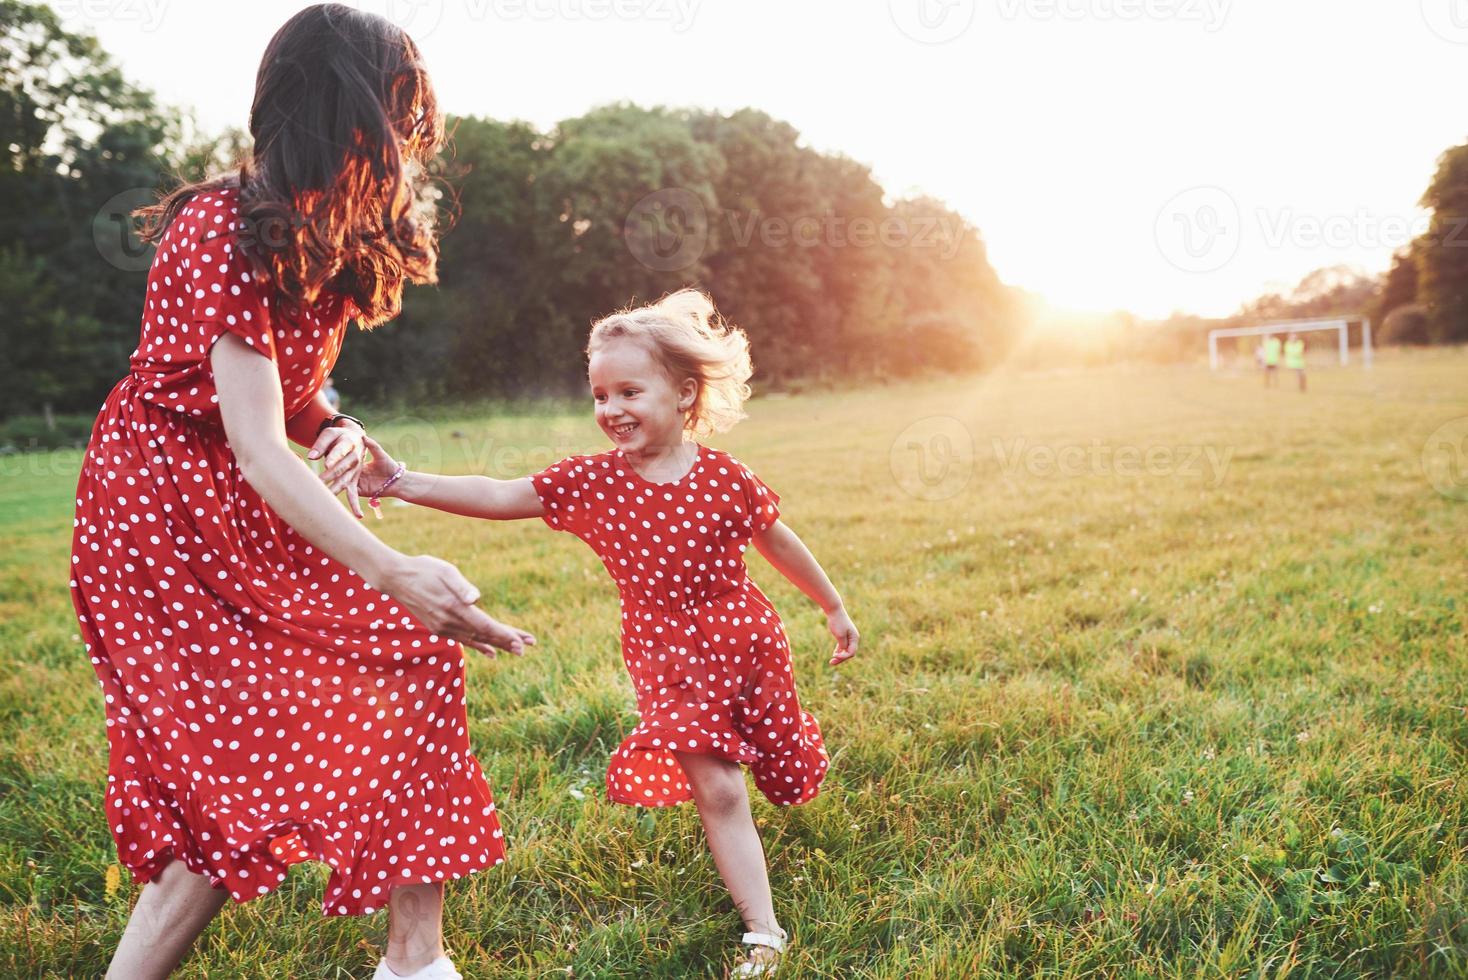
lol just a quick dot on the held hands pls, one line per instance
(378, 469)
(363, 465)
(844, 630)
(341, 450)
(432, 590)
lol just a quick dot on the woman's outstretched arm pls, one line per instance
(251, 408)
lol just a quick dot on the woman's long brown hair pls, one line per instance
(345, 124)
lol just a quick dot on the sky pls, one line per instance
(1148, 155)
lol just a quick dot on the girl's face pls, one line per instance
(638, 408)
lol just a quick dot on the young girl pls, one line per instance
(670, 519)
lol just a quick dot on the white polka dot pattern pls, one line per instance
(201, 285)
(706, 651)
(264, 705)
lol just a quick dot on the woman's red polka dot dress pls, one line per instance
(264, 704)
(707, 652)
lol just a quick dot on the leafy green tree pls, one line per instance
(955, 313)
(760, 274)
(590, 195)
(83, 147)
(1399, 287)
(46, 345)
(1442, 285)
(472, 335)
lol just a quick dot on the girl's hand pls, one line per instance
(377, 470)
(844, 630)
(341, 451)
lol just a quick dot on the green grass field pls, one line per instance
(1162, 675)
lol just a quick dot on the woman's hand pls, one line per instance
(844, 630)
(433, 590)
(341, 448)
(250, 405)
(443, 600)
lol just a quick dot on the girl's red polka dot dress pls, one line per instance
(264, 704)
(707, 652)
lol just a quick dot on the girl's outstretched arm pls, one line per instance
(783, 549)
(470, 496)
(250, 406)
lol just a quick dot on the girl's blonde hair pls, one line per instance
(687, 337)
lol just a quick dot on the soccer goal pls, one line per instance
(1283, 328)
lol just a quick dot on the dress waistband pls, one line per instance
(690, 606)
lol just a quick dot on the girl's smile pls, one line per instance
(638, 407)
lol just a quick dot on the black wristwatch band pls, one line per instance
(331, 420)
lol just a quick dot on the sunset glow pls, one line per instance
(1085, 138)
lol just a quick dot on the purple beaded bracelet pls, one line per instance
(376, 504)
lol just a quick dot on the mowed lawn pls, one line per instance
(1162, 674)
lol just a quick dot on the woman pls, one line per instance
(266, 704)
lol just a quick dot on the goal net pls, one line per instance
(1326, 342)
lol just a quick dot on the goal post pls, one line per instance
(1342, 328)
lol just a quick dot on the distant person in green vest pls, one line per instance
(1294, 357)
(1271, 361)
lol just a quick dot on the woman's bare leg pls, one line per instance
(723, 806)
(169, 915)
(415, 927)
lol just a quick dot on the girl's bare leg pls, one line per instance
(169, 915)
(415, 927)
(723, 806)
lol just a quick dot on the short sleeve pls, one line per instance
(223, 288)
(761, 504)
(564, 492)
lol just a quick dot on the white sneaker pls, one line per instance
(440, 969)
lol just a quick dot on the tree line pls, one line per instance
(547, 230)
(544, 231)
